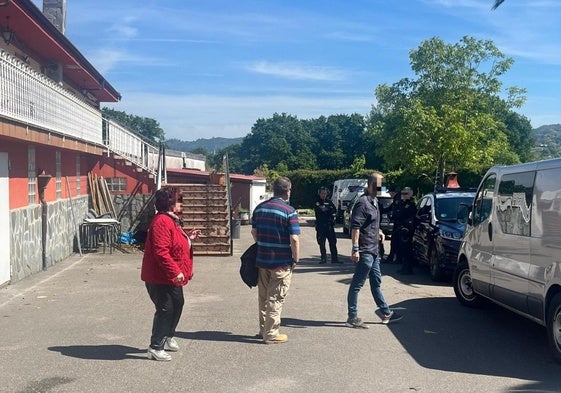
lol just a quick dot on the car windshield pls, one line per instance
(447, 208)
(355, 188)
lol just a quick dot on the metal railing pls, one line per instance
(130, 146)
(32, 98)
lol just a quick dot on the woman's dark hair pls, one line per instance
(164, 199)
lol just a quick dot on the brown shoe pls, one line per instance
(279, 339)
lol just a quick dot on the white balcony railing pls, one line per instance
(32, 98)
(128, 145)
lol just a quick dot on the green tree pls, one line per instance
(518, 130)
(358, 164)
(199, 150)
(144, 126)
(337, 139)
(280, 142)
(216, 161)
(352, 128)
(446, 118)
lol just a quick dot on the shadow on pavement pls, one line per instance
(211, 335)
(420, 275)
(441, 334)
(46, 384)
(100, 352)
(304, 323)
(312, 265)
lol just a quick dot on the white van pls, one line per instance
(343, 192)
(511, 252)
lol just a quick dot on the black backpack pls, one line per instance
(248, 271)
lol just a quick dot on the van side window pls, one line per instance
(515, 203)
(483, 203)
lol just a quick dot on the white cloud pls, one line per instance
(298, 71)
(123, 32)
(108, 59)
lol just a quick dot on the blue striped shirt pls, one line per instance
(274, 221)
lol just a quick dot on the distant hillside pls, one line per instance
(211, 145)
(543, 131)
(548, 141)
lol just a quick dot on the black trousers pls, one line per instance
(323, 233)
(168, 300)
(403, 252)
(394, 243)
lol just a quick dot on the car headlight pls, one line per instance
(452, 235)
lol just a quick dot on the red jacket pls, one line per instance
(167, 252)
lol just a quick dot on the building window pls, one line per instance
(78, 188)
(515, 203)
(58, 175)
(116, 183)
(31, 175)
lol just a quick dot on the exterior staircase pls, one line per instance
(206, 207)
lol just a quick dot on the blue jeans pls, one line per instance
(367, 266)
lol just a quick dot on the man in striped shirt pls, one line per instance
(275, 228)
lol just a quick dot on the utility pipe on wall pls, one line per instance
(42, 181)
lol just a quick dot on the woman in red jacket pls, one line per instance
(166, 267)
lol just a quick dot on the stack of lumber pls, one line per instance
(102, 202)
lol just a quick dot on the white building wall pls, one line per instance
(257, 194)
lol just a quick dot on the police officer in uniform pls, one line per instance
(404, 219)
(389, 210)
(325, 212)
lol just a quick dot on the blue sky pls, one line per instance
(211, 68)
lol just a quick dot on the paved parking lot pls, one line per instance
(83, 326)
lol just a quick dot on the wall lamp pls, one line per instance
(4, 3)
(7, 33)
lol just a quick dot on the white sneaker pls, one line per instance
(158, 354)
(171, 344)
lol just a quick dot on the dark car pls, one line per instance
(438, 232)
(386, 225)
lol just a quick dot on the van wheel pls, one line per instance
(436, 273)
(554, 326)
(463, 287)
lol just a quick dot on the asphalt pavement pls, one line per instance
(84, 326)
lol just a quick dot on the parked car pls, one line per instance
(511, 250)
(438, 232)
(384, 200)
(344, 191)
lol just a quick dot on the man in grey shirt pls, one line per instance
(365, 234)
